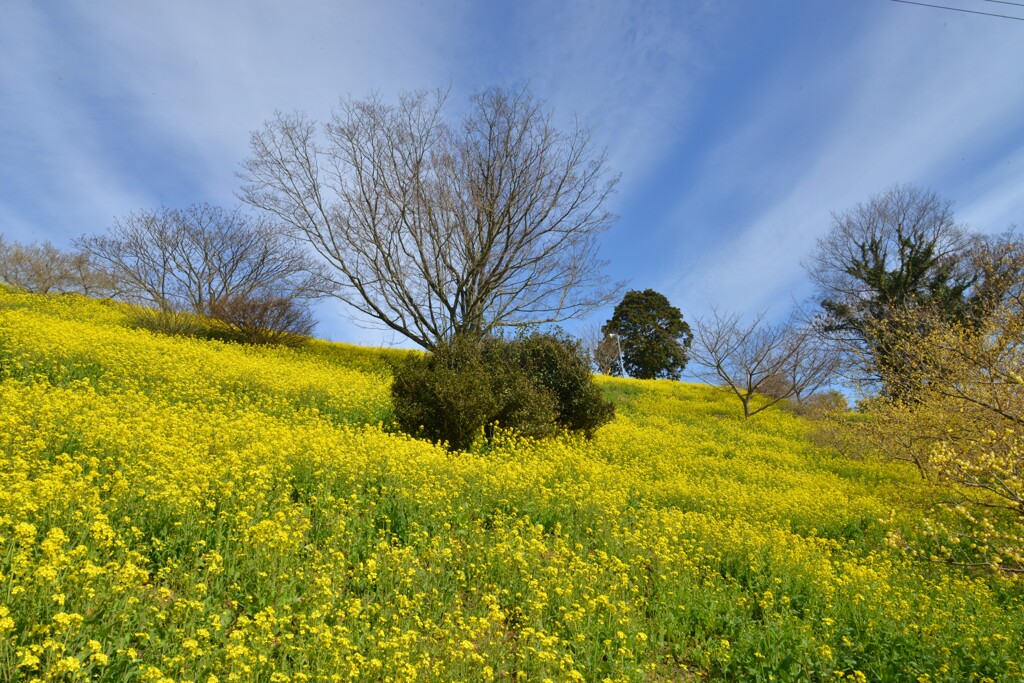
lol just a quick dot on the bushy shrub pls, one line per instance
(534, 385)
(776, 385)
(826, 403)
(451, 394)
(264, 319)
(559, 364)
(963, 431)
(820, 405)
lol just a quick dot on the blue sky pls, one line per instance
(737, 125)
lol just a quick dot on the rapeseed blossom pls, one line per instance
(184, 510)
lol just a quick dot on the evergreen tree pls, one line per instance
(652, 335)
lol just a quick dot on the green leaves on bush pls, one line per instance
(559, 365)
(535, 385)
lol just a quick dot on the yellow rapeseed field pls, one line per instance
(175, 509)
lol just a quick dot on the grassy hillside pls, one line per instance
(176, 509)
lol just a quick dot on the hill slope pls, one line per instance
(176, 509)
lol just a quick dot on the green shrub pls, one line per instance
(444, 396)
(534, 386)
(560, 365)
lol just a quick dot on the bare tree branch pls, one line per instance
(748, 357)
(185, 260)
(432, 230)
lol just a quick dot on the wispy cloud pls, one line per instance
(111, 107)
(207, 74)
(992, 200)
(53, 174)
(194, 77)
(737, 128)
(913, 108)
(627, 70)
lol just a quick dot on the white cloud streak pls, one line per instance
(192, 77)
(914, 108)
(51, 149)
(626, 69)
(917, 98)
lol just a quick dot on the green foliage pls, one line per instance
(451, 394)
(534, 385)
(559, 364)
(653, 336)
(898, 254)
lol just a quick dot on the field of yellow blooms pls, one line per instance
(175, 509)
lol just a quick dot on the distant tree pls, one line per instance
(652, 334)
(900, 250)
(42, 268)
(435, 229)
(601, 350)
(775, 361)
(606, 356)
(213, 262)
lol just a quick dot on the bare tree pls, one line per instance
(776, 361)
(601, 349)
(42, 268)
(432, 229)
(264, 319)
(812, 363)
(184, 260)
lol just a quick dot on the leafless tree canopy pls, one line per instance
(601, 349)
(264, 319)
(42, 268)
(433, 229)
(775, 360)
(184, 260)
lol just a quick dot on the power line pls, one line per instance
(1007, 2)
(960, 9)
